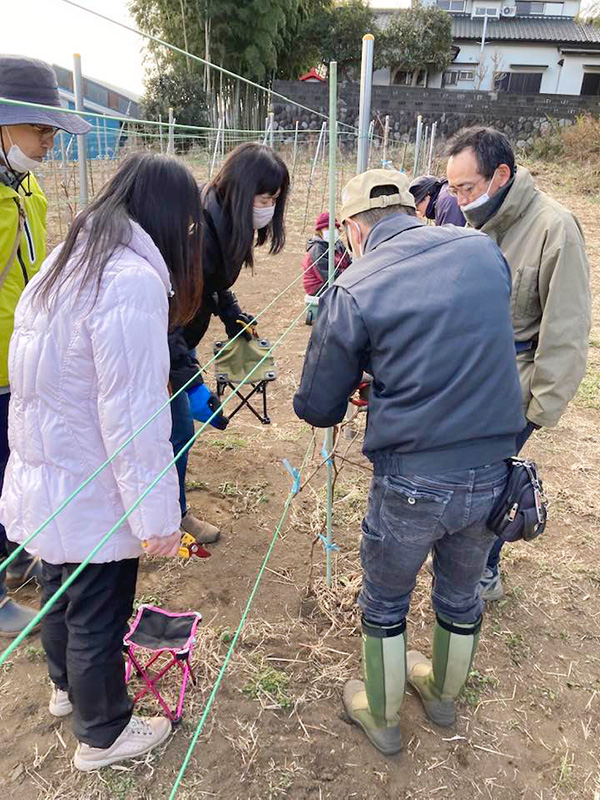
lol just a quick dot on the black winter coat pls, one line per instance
(426, 312)
(219, 276)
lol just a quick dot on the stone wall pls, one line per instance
(521, 117)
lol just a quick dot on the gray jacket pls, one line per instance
(426, 311)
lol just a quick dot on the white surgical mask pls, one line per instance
(325, 234)
(262, 216)
(482, 199)
(19, 161)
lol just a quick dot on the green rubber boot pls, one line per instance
(440, 681)
(373, 704)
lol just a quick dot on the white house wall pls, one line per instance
(572, 72)
(498, 57)
(570, 7)
(515, 56)
(382, 77)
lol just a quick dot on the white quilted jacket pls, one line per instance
(83, 379)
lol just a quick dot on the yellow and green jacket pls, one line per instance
(30, 255)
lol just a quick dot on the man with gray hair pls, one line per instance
(425, 311)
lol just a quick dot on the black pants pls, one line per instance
(82, 635)
(22, 561)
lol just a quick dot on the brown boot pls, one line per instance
(203, 532)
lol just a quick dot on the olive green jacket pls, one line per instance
(551, 305)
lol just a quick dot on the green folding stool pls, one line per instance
(234, 361)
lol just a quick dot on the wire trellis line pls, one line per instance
(199, 59)
(75, 574)
(209, 703)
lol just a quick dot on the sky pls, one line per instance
(53, 31)
(389, 4)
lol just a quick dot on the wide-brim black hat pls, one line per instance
(32, 81)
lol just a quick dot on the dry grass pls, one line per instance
(529, 722)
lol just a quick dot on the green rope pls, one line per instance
(205, 137)
(75, 574)
(134, 121)
(120, 449)
(128, 120)
(200, 60)
(232, 646)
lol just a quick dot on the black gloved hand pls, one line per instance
(235, 322)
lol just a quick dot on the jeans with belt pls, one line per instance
(407, 516)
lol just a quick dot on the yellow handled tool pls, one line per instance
(189, 547)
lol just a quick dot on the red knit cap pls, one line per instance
(323, 221)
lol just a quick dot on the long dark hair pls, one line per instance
(249, 170)
(162, 196)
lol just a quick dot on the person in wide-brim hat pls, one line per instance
(28, 80)
(30, 114)
(26, 135)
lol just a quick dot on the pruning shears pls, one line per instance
(248, 326)
(360, 397)
(189, 547)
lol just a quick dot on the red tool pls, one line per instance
(190, 547)
(360, 397)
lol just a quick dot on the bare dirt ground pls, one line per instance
(529, 723)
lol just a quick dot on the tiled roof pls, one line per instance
(564, 30)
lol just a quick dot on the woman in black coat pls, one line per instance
(243, 207)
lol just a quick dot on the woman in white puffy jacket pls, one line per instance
(89, 364)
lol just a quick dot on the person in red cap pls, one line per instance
(315, 264)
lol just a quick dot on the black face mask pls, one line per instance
(478, 217)
(430, 210)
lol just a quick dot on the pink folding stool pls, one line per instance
(159, 632)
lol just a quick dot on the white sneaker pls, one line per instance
(138, 738)
(59, 705)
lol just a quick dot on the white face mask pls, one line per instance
(262, 216)
(19, 161)
(482, 199)
(325, 234)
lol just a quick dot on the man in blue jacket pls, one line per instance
(425, 311)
